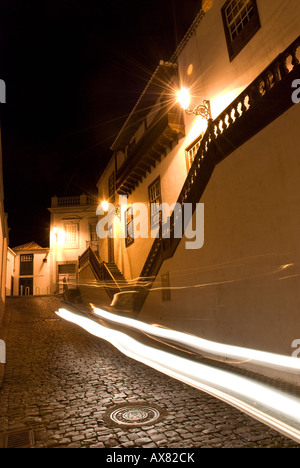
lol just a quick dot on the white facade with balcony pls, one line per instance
(72, 230)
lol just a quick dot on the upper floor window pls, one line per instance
(191, 152)
(241, 22)
(155, 201)
(26, 265)
(129, 239)
(72, 235)
(111, 187)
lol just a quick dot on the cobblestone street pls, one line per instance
(60, 381)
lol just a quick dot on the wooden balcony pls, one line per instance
(167, 129)
(263, 101)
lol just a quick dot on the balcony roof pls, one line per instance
(156, 86)
(166, 130)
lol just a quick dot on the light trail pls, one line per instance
(266, 404)
(192, 342)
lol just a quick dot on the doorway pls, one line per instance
(26, 286)
(66, 275)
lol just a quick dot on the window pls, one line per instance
(26, 265)
(71, 235)
(66, 268)
(155, 201)
(129, 239)
(191, 152)
(241, 22)
(93, 242)
(111, 187)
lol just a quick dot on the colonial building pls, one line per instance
(31, 270)
(72, 231)
(234, 149)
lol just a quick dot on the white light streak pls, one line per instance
(261, 358)
(262, 402)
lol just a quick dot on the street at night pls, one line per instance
(60, 382)
(149, 226)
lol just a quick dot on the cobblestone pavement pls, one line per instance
(60, 381)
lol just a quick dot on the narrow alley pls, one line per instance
(61, 384)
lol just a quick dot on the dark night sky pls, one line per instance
(73, 71)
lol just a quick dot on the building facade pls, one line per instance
(31, 270)
(72, 231)
(233, 149)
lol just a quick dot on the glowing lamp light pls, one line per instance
(105, 205)
(184, 98)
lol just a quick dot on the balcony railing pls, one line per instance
(265, 99)
(77, 200)
(100, 271)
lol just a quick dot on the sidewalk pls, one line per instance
(61, 385)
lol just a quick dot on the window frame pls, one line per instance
(28, 270)
(72, 245)
(111, 187)
(129, 240)
(236, 45)
(156, 200)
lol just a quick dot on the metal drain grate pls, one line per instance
(20, 439)
(134, 414)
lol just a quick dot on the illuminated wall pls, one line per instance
(242, 287)
(72, 221)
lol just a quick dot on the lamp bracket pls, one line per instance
(202, 109)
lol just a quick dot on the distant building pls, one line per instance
(32, 270)
(72, 231)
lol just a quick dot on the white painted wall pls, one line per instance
(243, 286)
(60, 252)
(41, 271)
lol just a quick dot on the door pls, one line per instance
(66, 276)
(111, 253)
(26, 286)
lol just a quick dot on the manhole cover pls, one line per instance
(134, 414)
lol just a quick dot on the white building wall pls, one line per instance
(242, 287)
(61, 253)
(213, 76)
(10, 271)
(41, 272)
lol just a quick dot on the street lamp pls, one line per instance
(184, 100)
(105, 206)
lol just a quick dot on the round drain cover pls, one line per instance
(134, 414)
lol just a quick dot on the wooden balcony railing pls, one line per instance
(265, 99)
(100, 271)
